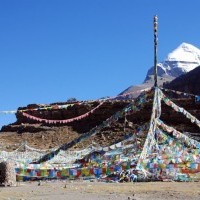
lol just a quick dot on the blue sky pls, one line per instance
(51, 50)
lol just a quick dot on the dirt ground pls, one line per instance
(62, 190)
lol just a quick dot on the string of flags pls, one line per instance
(26, 154)
(184, 138)
(178, 92)
(53, 107)
(172, 159)
(181, 110)
(155, 155)
(65, 106)
(197, 97)
(166, 151)
(150, 139)
(64, 121)
(136, 106)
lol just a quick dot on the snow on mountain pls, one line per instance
(185, 53)
(183, 59)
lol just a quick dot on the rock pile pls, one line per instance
(7, 174)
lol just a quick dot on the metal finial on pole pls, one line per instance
(155, 22)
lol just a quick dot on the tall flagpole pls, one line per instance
(155, 22)
(151, 138)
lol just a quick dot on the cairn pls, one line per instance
(7, 174)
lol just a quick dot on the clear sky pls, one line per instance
(52, 50)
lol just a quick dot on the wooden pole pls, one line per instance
(155, 21)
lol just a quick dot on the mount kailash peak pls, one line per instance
(183, 59)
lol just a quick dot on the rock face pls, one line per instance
(188, 83)
(107, 109)
(44, 136)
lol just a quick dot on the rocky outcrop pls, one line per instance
(107, 109)
(189, 83)
(43, 136)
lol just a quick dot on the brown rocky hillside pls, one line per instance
(44, 136)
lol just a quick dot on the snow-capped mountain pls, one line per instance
(183, 59)
(180, 61)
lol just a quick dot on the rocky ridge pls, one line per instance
(44, 136)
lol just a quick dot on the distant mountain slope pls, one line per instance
(183, 59)
(137, 89)
(189, 83)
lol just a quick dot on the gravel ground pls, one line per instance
(62, 190)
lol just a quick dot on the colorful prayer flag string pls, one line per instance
(64, 121)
